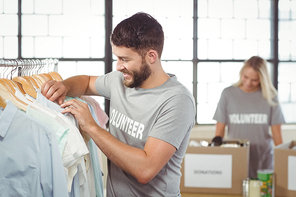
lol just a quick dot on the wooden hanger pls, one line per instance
(2, 102)
(7, 94)
(37, 80)
(18, 86)
(33, 82)
(12, 86)
(47, 76)
(41, 78)
(56, 76)
(26, 85)
(8, 85)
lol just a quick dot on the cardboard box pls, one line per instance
(285, 169)
(216, 170)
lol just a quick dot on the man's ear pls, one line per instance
(151, 56)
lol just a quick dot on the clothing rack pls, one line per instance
(10, 68)
(27, 75)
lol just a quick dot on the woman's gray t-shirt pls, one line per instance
(248, 116)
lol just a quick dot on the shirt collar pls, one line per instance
(6, 118)
(44, 101)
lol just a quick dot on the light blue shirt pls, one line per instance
(98, 178)
(74, 151)
(92, 146)
(30, 163)
(61, 131)
(95, 160)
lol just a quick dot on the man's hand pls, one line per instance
(54, 91)
(81, 112)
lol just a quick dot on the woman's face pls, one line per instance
(250, 80)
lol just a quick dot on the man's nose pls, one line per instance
(119, 65)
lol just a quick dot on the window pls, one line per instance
(8, 29)
(206, 41)
(287, 58)
(228, 32)
(68, 30)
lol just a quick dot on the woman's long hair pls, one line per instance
(259, 65)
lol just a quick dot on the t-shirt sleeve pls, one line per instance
(176, 119)
(277, 116)
(105, 83)
(220, 113)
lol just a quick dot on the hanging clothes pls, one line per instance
(73, 152)
(102, 117)
(75, 147)
(95, 178)
(30, 160)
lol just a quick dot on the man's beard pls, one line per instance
(138, 77)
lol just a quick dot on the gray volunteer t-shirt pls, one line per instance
(166, 112)
(248, 116)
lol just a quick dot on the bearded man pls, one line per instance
(151, 112)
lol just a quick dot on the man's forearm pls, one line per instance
(77, 85)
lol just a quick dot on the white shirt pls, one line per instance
(75, 147)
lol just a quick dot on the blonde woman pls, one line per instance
(248, 108)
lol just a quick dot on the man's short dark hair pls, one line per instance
(141, 32)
